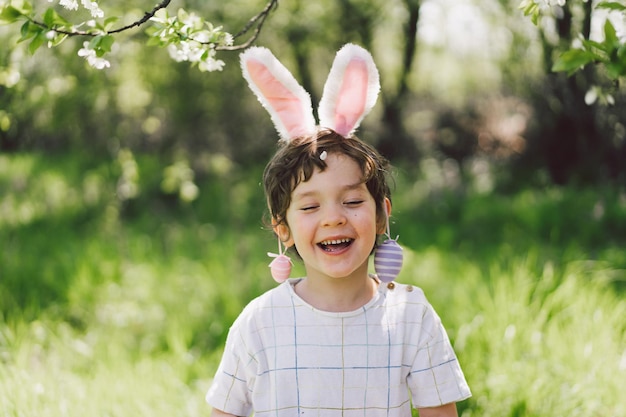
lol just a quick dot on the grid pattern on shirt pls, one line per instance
(284, 358)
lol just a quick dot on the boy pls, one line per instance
(338, 342)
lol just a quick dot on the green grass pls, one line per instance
(532, 345)
(112, 307)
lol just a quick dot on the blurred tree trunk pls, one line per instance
(302, 56)
(568, 138)
(356, 20)
(395, 142)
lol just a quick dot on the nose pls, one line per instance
(334, 215)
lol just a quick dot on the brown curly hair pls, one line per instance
(295, 162)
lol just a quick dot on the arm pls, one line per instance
(446, 410)
(220, 413)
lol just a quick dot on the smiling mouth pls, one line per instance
(335, 245)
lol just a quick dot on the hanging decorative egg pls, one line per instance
(280, 268)
(388, 260)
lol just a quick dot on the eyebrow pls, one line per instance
(348, 187)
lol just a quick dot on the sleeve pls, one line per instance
(229, 391)
(436, 377)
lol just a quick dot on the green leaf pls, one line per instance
(621, 52)
(616, 67)
(48, 17)
(57, 39)
(10, 14)
(15, 11)
(109, 21)
(530, 8)
(28, 30)
(52, 19)
(37, 41)
(107, 43)
(572, 60)
(610, 36)
(611, 5)
(24, 6)
(590, 46)
(25, 31)
(102, 44)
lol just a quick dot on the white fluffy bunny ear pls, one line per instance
(350, 91)
(286, 101)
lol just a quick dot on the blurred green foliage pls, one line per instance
(127, 297)
(487, 94)
(131, 227)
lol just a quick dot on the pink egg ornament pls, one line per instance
(280, 268)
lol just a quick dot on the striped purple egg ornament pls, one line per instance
(388, 260)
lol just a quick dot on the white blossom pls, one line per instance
(192, 21)
(68, 4)
(175, 53)
(93, 8)
(91, 57)
(185, 51)
(228, 39)
(550, 3)
(210, 63)
(193, 52)
(591, 96)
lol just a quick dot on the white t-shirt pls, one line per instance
(285, 358)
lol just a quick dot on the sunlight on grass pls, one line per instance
(531, 345)
(31, 193)
(135, 338)
(112, 308)
(63, 380)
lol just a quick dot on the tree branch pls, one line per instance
(147, 16)
(259, 19)
(144, 19)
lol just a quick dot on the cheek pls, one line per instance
(369, 221)
(297, 225)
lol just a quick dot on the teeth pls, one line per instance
(335, 242)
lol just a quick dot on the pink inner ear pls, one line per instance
(283, 102)
(352, 97)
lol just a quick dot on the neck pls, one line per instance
(338, 294)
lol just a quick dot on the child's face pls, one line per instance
(332, 220)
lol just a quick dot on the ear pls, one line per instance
(288, 104)
(384, 220)
(283, 233)
(350, 91)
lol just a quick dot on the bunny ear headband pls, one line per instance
(349, 94)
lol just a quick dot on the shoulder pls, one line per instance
(406, 303)
(274, 301)
(396, 292)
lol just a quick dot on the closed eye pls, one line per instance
(353, 202)
(308, 208)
